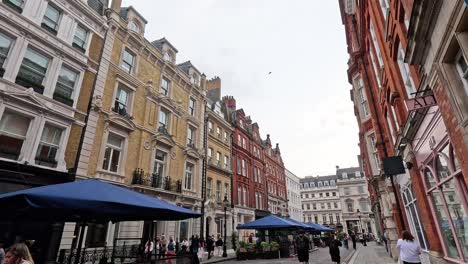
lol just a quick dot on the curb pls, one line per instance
(350, 256)
(218, 260)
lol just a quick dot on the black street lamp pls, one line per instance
(360, 222)
(226, 204)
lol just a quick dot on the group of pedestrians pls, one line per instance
(162, 248)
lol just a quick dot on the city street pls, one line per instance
(364, 255)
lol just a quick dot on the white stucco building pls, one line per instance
(320, 200)
(293, 187)
(354, 199)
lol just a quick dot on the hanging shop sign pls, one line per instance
(421, 102)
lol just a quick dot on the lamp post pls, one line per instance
(359, 216)
(226, 204)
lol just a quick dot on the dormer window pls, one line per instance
(241, 123)
(194, 79)
(320, 184)
(358, 174)
(344, 175)
(169, 56)
(133, 26)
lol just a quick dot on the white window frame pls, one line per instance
(168, 117)
(87, 39)
(168, 88)
(77, 85)
(405, 73)
(407, 203)
(165, 164)
(463, 75)
(376, 45)
(188, 182)
(132, 69)
(131, 93)
(60, 11)
(191, 135)
(121, 158)
(192, 109)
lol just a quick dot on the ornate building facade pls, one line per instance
(320, 199)
(354, 199)
(218, 157)
(144, 130)
(276, 179)
(49, 57)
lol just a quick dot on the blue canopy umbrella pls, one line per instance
(303, 225)
(318, 227)
(270, 222)
(88, 200)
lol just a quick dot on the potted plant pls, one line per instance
(274, 247)
(234, 240)
(241, 252)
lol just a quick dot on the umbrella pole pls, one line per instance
(80, 243)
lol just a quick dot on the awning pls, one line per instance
(319, 227)
(303, 225)
(271, 222)
(87, 200)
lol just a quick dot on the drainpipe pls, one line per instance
(205, 135)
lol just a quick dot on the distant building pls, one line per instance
(293, 187)
(320, 200)
(276, 183)
(354, 198)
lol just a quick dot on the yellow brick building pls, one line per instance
(218, 157)
(145, 129)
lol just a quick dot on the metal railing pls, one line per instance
(156, 181)
(119, 254)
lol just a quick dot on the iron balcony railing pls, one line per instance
(156, 181)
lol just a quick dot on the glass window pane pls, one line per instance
(115, 160)
(14, 124)
(443, 219)
(51, 135)
(80, 36)
(105, 164)
(5, 44)
(51, 17)
(430, 179)
(442, 167)
(457, 214)
(114, 141)
(66, 82)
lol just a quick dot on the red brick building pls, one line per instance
(390, 68)
(276, 181)
(248, 185)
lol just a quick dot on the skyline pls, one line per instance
(312, 119)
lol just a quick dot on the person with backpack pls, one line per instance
(303, 246)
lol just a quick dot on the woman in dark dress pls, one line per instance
(335, 245)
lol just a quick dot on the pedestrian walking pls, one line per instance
(193, 248)
(303, 246)
(149, 247)
(385, 239)
(219, 245)
(163, 247)
(353, 239)
(345, 241)
(210, 245)
(409, 250)
(184, 245)
(334, 249)
(18, 254)
(201, 249)
(170, 250)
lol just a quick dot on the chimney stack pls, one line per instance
(230, 102)
(116, 5)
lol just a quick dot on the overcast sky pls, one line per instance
(304, 104)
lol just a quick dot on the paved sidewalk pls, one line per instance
(231, 255)
(372, 254)
(320, 256)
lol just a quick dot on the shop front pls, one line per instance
(444, 186)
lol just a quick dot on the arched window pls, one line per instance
(445, 188)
